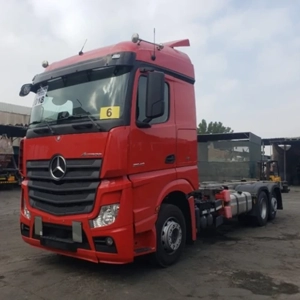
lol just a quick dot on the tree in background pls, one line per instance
(212, 127)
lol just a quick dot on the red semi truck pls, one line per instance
(109, 160)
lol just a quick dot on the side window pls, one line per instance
(141, 103)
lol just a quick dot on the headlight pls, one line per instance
(108, 215)
(26, 211)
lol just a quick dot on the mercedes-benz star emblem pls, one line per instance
(58, 167)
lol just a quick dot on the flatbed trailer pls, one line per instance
(241, 153)
(110, 162)
(245, 197)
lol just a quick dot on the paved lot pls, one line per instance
(233, 263)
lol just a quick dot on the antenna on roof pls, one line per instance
(153, 57)
(81, 52)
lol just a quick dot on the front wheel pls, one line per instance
(170, 235)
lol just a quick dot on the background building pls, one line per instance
(11, 114)
(16, 115)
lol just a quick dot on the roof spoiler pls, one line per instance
(178, 43)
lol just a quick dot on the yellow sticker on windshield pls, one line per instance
(110, 112)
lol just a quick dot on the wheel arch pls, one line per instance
(176, 193)
(278, 194)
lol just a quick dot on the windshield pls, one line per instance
(99, 93)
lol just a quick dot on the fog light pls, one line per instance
(107, 216)
(109, 241)
(26, 211)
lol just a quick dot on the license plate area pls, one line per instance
(60, 244)
(63, 237)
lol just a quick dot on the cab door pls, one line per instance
(152, 156)
(154, 148)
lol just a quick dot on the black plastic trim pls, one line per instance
(63, 129)
(170, 159)
(60, 237)
(60, 244)
(25, 230)
(100, 245)
(125, 59)
(180, 76)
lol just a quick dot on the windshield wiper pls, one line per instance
(81, 116)
(42, 122)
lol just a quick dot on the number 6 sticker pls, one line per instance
(110, 112)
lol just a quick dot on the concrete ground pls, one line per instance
(233, 263)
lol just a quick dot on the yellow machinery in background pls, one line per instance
(269, 170)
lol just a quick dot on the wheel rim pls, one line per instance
(263, 209)
(274, 204)
(171, 235)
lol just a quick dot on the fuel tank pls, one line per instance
(240, 202)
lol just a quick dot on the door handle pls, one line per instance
(170, 159)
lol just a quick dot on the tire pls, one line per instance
(273, 207)
(170, 220)
(262, 209)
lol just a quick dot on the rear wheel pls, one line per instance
(170, 235)
(273, 206)
(262, 210)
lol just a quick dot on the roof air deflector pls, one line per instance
(178, 43)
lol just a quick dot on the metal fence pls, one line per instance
(228, 159)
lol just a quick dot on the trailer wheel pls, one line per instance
(262, 209)
(170, 235)
(273, 207)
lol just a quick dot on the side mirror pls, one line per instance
(155, 106)
(25, 89)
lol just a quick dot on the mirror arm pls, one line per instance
(140, 124)
(146, 69)
(147, 120)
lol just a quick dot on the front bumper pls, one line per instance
(91, 245)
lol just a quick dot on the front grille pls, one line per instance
(74, 194)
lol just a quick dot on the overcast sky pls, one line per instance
(246, 53)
